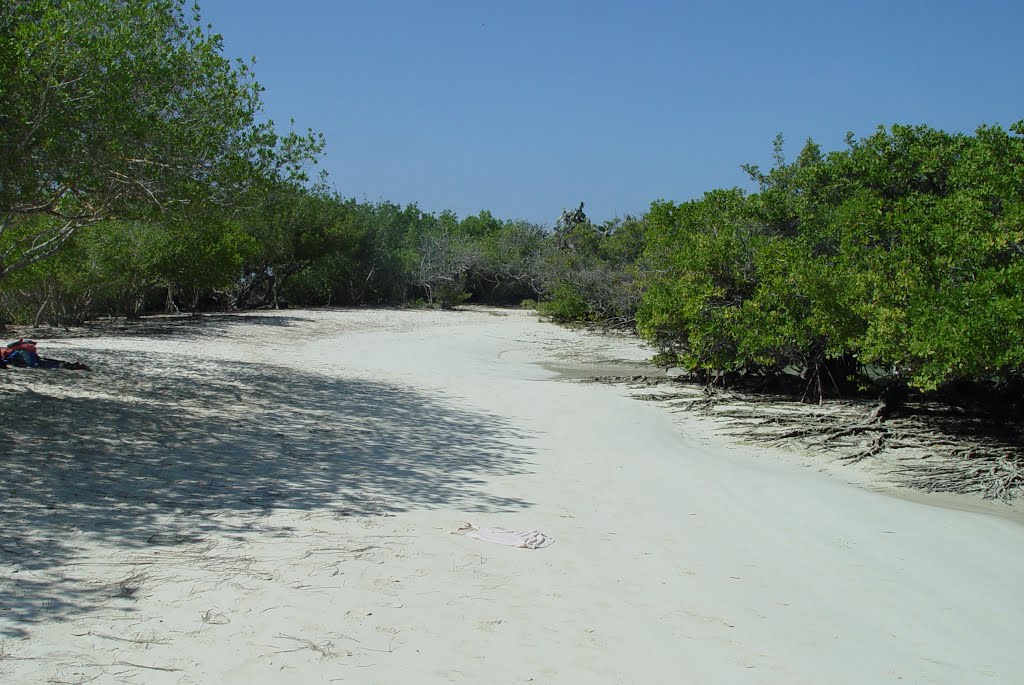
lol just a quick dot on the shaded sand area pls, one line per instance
(268, 498)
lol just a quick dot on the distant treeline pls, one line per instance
(135, 178)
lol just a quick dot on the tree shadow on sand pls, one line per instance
(160, 449)
(208, 324)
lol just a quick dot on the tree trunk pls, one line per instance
(169, 306)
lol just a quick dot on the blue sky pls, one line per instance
(528, 107)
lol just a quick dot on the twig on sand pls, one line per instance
(7, 656)
(167, 669)
(81, 681)
(216, 618)
(324, 648)
(147, 642)
(128, 587)
(389, 650)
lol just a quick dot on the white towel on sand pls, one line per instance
(533, 539)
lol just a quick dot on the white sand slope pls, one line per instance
(267, 499)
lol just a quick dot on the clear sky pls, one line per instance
(526, 107)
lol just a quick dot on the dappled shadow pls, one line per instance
(170, 325)
(157, 449)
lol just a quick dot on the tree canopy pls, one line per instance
(115, 109)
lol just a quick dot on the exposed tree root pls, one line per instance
(930, 447)
(991, 475)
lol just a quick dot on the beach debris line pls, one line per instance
(532, 539)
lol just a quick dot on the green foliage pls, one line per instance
(590, 273)
(902, 253)
(566, 304)
(114, 109)
(701, 270)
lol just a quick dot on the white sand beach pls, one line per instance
(267, 498)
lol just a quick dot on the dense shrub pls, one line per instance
(901, 256)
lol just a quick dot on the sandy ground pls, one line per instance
(268, 498)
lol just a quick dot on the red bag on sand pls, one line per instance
(22, 344)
